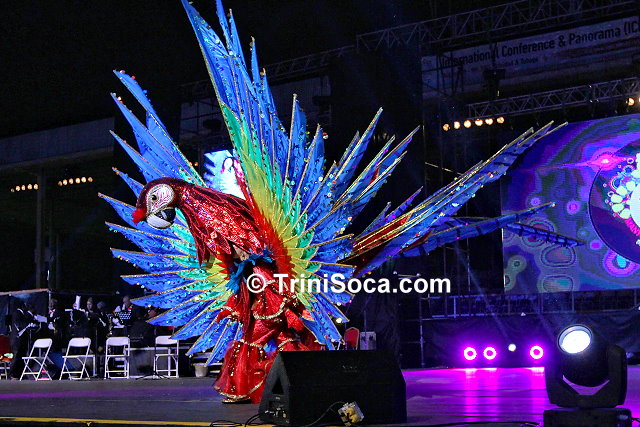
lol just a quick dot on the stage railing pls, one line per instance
(505, 304)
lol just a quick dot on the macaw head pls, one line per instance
(156, 203)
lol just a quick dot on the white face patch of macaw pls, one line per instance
(159, 214)
(158, 198)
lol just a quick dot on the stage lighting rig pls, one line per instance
(583, 358)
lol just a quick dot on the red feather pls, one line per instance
(139, 215)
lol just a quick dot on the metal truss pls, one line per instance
(290, 69)
(197, 90)
(557, 99)
(305, 65)
(448, 32)
(534, 303)
(495, 23)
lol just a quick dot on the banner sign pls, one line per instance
(584, 49)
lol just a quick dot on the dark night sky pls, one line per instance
(57, 56)
(56, 62)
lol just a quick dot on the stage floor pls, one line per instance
(434, 397)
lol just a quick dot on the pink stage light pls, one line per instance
(489, 353)
(536, 352)
(470, 353)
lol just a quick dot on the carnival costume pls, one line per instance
(200, 245)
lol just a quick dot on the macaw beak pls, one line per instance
(139, 215)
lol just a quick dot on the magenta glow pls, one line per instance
(489, 353)
(536, 352)
(470, 353)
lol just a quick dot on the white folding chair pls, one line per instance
(5, 356)
(118, 350)
(77, 351)
(39, 354)
(169, 351)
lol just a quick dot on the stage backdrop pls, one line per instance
(592, 171)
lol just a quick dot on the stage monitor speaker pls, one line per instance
(302, 385)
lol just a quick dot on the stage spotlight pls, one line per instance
(84, 178)
(467, 124)
(30, 187)
(511, 347)
(470, 353)
(575, 339)
(59, 183)
(479, 122)
(456, 125)
(64, 182)
(77, 180)
(446, 127)
(536, 352)
(23, 188)
(70, 180)
(630, 102)
(90, 179)
(584, 358)
(488, 121)
(489, 353)
(500, 120)
(17, 188)
(35, 186)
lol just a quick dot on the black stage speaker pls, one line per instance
(302, 385)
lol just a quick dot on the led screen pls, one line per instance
(592, 171)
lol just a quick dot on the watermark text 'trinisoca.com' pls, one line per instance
(338, 283)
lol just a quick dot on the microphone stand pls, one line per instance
(154, 373)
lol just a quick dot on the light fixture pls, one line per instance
(456, 125)
(575, 339)
(500, 120)
(489, 353)
(467, 123)
(488, 121)
(70, 181)
(536, 352)
(23, 187)
(631, 101)
(585, 359)
(511, 347)
(470, 353)
(479, 122)
(446, 127)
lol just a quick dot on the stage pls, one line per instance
(434, 396)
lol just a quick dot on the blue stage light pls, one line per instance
(575, 339)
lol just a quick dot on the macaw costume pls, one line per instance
(200, 244)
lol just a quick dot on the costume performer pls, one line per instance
(203, 247)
